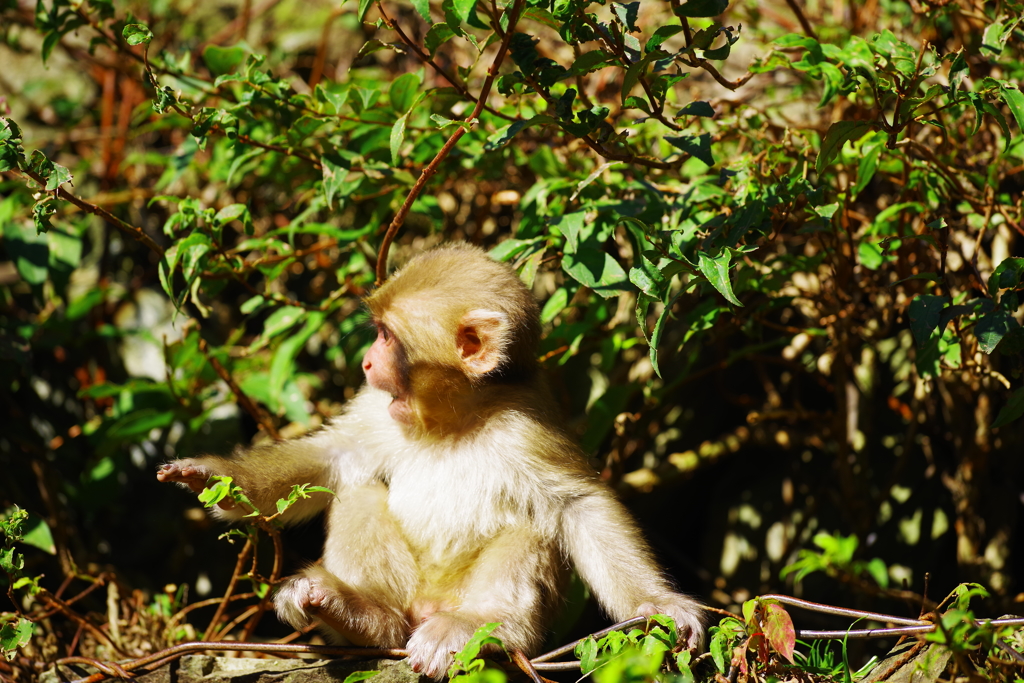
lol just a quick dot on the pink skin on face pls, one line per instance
(383, 367)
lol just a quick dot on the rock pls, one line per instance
(903, 666)
(209, 669)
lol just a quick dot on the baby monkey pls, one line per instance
(460, 500)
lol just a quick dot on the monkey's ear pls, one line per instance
(480, 340)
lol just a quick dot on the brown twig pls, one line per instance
(82, 621)
(180, 614)
(236, 24)
(243, 399)
(620, 54)
(802, 18)
(275, 575)
(427, 59)
(130, 230)
(235, 576)
(526, 666)
(431, 168)
(321, 49)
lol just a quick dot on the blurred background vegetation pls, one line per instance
(778, 245)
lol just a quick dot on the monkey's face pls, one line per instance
(386, 369)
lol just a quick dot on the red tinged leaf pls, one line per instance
(778, 629)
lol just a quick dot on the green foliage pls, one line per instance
(837, 558)
(222, 489)
(469, 667)
(821, 659)
(636, 655)
(15, 629)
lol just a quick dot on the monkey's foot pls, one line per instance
(301, 597)
(435, 641)
(355, 616)
(685, 612)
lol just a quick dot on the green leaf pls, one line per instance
(1014, 101)
(702, 8)
(235, 212)
(626, 14)
(402, 92)
(364, 6)
(870, 152)
(1012, 411)
(216, 491)
(397, 138)
(36, 533)
(437, 36)
(54, 173)
(507, 249)
(878, 571)
(699, 146)
(1009, 274)
(570, 225)
(716, 270)
(869, 254)
(282, 365)
(360, 676)
(925, 313)
(596, 269)
(463, 9)
(991, 329)
(29, 250)
(281, 320)
(136, 34)
(591, 61)
(661, 35)
(14, 635)
(838, 134)
(221, 60)
(649, 279)
(697, 108)
(554, 305)
(335, 173)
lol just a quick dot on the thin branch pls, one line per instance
(620, 54)
(81, 621)
(235, 575)
(180, 614)
(843, 611)
(247, 403)
(565, 649)
(802, 18)
(130, 230)
(431, 168)
(526, 666)
(427, 59)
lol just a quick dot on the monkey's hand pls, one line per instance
(187, 472)
(435, 641)
(687, 613)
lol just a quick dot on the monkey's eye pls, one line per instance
(383, 333)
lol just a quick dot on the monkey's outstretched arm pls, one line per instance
(265, 472)
(611, 556)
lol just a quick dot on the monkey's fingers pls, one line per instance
(192, 477)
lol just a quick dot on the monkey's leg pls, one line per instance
(360, 618)
(513, 581)
(368, 575)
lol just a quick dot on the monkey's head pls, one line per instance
(449, 322)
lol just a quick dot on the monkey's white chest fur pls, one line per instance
(447, 498)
